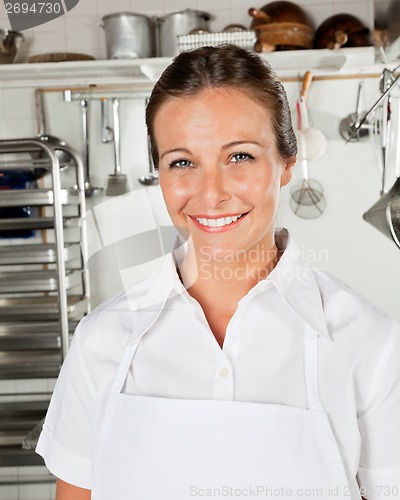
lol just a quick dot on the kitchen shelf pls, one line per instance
(44, 288)
(147, 71)
(73, 72)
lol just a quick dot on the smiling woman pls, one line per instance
(235, 370)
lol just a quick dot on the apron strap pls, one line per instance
(124, 366)
(311, 368)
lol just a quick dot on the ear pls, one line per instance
(287, 170)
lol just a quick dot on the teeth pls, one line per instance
(223, 221)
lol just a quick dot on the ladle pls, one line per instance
(350, 128)
(152, 176)
(107, 133)
(89, 189)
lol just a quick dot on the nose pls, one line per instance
(213, 189)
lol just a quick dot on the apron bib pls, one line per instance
(155, 448)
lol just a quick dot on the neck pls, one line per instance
(210, 276)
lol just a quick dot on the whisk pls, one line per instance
(307, 200)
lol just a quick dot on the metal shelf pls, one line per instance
(45, 363)
(37, 253)
(43, 308)
(22, 223)
(32, 335)
(36, 281)
(16, 456)
(38, 312)
(37, 197)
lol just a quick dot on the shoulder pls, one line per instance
(365, 347)
(105, 332)
(346, 310)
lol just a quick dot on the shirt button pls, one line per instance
(224, 372)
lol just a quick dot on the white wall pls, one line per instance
(350, 248)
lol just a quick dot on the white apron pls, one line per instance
(155, 448)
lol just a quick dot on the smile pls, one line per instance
(216, 224)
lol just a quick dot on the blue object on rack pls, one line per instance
(11, 180)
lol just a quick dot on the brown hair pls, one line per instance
(224, 66)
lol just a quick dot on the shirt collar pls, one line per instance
(297, 285)
(293, 278)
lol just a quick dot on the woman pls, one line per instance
(243, 372)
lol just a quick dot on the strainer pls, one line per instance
(385, 214)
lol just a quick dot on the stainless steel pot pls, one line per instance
(128, 35)
(178, 23)
(9, 45)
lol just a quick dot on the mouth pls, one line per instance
(218, 224)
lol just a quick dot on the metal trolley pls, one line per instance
(44, 286)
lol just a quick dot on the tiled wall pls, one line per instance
(77, 31)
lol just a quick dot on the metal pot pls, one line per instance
(128, 35)
(178, 23)
(9, 45)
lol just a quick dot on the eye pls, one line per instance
(181, 164)
(241, 157)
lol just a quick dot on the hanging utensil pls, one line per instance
(385, 214)
(107, 134)
(315, 141)
(307, 199)
(353, 120)
(89, 189)
(373, 108)
(117, 182)
(385, 82)
(152, 176)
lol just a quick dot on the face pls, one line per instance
(219, 169)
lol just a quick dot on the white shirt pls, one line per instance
(261, 361)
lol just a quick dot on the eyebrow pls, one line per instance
(239, 143)
(175, 150)
(226, 146)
